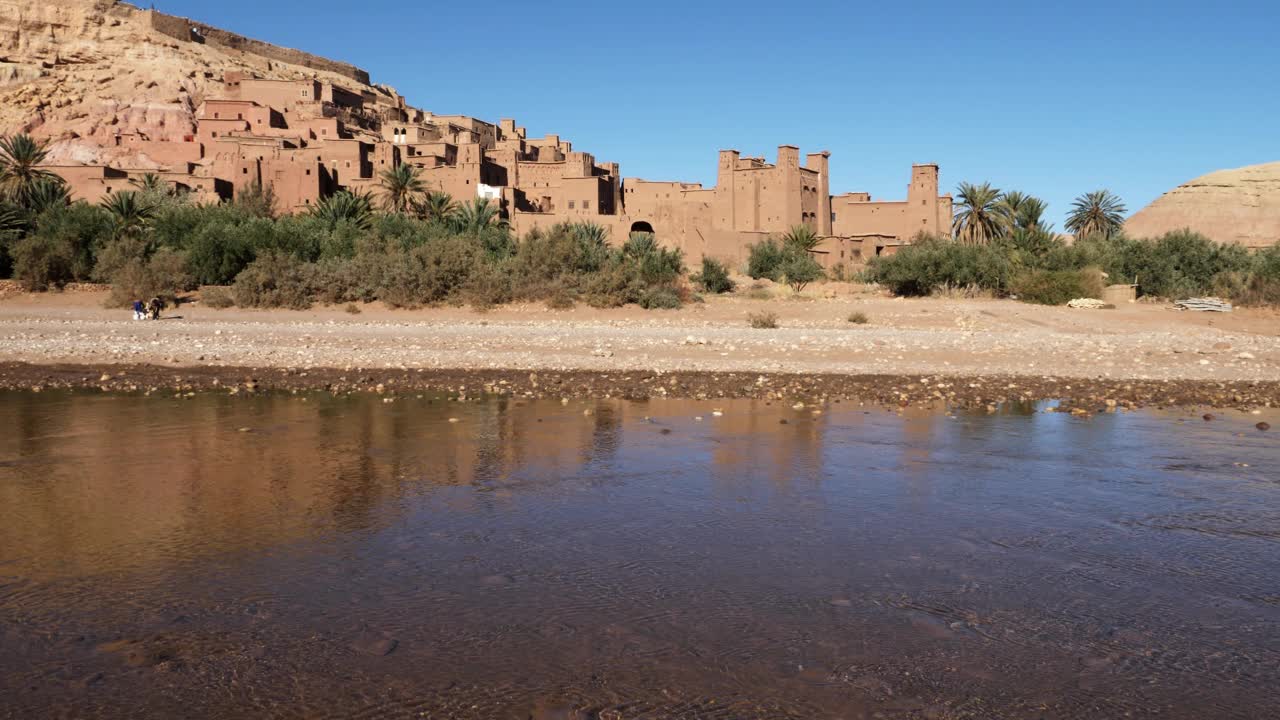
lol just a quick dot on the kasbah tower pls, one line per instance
(311, 138)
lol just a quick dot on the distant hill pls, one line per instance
(79, 72)
(1230, 206)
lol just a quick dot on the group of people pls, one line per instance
(149, 310)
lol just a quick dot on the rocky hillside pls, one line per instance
(76, 72)
(1240, 206)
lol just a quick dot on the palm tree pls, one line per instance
(639, 244)
(801, 237)
(1025, 212)
(47, 192)
(400, 185)
(590, 234)
(130, 210)
(436, 207)
(478, 215)
(980, 214)
(12, 221)
(20, 156)
(355, 208)
(152, 184)
(1100, 212)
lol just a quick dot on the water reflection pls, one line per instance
(312, 556)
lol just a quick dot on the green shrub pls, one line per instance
(1260, 285)
(936, 264)
(431, 273)
(352, 309)
(62, 247)
(559, 297)
(763, 320)
(613, 286)
(1182, 264)
(563, 255)
(660, 298)
(714, 277)
(859, 318)
(1056, 287)
(43, 263)
(489, 285)
(1259, 291)
(650, 263)
(163, 275)
(764, 260)
(275, 279)
(799, 269)
(217, 253)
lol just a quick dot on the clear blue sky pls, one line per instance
(1051, 98)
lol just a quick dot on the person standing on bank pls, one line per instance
(138, 311)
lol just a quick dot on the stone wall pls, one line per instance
(180, 28)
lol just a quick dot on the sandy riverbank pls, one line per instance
(974, 340)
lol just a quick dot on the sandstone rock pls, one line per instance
(77, 72)
(1229, 206)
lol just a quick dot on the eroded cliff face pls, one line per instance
(1230, 206)
(78, 72)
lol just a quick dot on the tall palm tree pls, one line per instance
(478, 215)
(437, 206)
(355, 208)
(130, 210)
(400, 185)
(801, 237)
(980, 215)
(20, 156)
(1100, 212)
(1025, 212)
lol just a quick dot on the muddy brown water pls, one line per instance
(318, 557)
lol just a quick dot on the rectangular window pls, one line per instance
(570, 204)
(586, 204)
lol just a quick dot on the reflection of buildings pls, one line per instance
(93, 474)
(89, 475)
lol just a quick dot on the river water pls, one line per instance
(317, 557)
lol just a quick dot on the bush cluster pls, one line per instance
(714, 277)
(787, 259)
(343, 253)
(1039, 267)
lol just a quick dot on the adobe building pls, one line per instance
(308, 139)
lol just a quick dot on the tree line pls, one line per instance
(407, 245)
